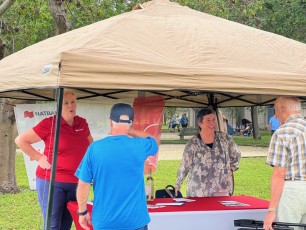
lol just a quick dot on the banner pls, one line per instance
(28, 115)
(149, 117)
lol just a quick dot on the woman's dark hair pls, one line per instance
(202, 113)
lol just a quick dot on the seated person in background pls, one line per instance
(209, 160)
(246, 130)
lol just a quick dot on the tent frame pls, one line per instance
(60, 93)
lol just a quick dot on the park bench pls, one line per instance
(190, 131)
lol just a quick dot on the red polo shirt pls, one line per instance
(73, 143)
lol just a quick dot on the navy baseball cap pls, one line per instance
(122, 109)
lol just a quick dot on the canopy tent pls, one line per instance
(160, 48)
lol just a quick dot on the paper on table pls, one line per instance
(154, 206)
(233, 203)
(170, 204)
(183, 200)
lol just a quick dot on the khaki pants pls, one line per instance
(292, 204)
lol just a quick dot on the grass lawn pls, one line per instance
(252, 178)
(21, 210)
(249, 141)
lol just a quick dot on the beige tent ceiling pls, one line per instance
(160, 48)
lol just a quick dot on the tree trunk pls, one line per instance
(254, 113)
(8, 134)
(2, 48)
(8, 129)
(59, 16)
(5, 4)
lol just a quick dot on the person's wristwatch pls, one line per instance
(82, 213)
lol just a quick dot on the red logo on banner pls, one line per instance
(28, 114)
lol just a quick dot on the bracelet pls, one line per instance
(82, 213)
(271, 209)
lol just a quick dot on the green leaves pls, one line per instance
(29, 21)
(285, 18)
(26, 23)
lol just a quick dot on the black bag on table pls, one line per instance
(168, 192)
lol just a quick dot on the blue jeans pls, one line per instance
(143, 228)
(63, 192)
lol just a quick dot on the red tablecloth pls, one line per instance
(73, 207)
(200, 204)
(211, 204)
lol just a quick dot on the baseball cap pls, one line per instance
(120, 109)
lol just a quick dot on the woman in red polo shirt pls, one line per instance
(74, 139)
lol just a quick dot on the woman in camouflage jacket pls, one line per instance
(209, 160)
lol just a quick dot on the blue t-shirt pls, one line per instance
(274, 123)
(115, 164)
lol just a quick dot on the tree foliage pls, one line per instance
(26, 23)
(30, 21)
(284, 17)
(287, 18)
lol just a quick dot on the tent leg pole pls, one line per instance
(212, 101)
(60, 93)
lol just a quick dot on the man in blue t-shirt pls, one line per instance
(274, 124)
(115, 165)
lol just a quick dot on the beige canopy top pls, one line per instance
(160, 48)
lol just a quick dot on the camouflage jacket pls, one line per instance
(209, 170)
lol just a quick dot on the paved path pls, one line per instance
(175, 151)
